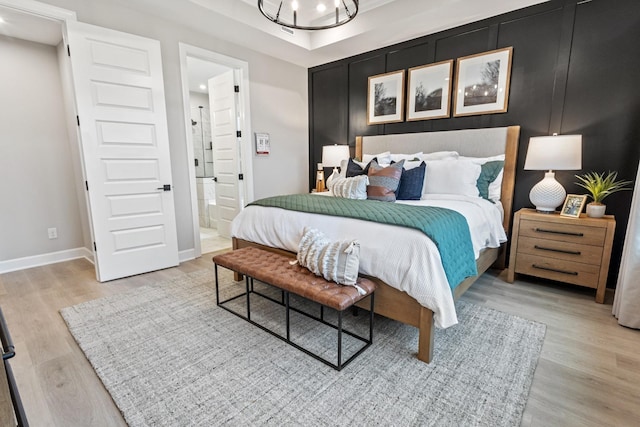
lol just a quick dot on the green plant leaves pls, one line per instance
(600, 186)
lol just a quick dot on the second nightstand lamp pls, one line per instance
(557, 152)
(332, 155)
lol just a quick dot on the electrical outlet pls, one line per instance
(53, 233)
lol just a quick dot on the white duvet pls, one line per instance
(404, 258)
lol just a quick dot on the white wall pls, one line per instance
(37, 188)
(278, 102)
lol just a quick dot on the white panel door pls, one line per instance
(119, 93)
(226, 163)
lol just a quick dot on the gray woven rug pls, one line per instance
(170, 357)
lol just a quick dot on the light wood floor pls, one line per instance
(588, 373)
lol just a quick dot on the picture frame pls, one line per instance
(429, 91)
(573, 205)
(385, 103)
(482, 83)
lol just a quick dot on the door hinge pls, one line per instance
(239, 134)
(78, 120)
(68, 51)
(86, 184)
(236, 88)
(95, 248)
(240, 176)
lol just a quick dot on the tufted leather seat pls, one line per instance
(276, 270)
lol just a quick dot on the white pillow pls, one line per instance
(351, 188)
(495, 188)
(451, 177)
(382, 158)
(483, 160)
(412, 165)
(397, 157)
(343, 168)
(440, 155)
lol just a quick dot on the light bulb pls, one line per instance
(321, 7)
(294, 5)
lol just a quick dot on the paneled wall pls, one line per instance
(574, 70)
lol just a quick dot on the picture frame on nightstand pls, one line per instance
(573, 205)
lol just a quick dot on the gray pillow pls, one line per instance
(336, 261)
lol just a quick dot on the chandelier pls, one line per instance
(303, 15)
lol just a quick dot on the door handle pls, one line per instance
(165, 187)
(215, 179)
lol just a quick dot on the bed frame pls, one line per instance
(398, 305)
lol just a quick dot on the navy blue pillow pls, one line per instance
(354, 169)
(411, 182)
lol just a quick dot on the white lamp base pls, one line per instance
(548, 194)
(333, 176)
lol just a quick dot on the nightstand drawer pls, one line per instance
(572, 233)
(556, 269)
(586, 254)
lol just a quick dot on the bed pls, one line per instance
(393, 296)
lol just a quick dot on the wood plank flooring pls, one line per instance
(588, 373)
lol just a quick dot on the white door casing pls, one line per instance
(226, 143)
(119, 92)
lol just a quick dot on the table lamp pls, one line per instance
(332, 155)
(557, 152)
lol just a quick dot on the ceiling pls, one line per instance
(379, 23)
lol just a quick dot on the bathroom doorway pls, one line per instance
(209, 204)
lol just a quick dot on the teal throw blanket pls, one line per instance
(446, 228)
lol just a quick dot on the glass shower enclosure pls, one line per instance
(202, 142)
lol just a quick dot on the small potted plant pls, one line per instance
(600, 186)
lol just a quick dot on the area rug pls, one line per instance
(170, 357)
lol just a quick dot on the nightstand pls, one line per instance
(566, 249)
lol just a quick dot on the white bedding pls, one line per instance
(402, 257)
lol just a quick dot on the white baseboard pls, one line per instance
(44, 259)
(186, 255)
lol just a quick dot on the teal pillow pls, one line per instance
(488, 174)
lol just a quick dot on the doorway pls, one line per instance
(212, 203)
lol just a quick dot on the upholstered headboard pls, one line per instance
(468, 142)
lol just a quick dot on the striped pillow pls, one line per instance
(384, 181)
(350, 188)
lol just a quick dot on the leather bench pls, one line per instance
(277, 270)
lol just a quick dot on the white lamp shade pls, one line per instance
(558, 152)
(332, 155)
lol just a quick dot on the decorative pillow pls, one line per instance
(382, 158)
(440, 155)
(411, 181)
(351, 188)
(336, 261)
(495, 187)
(355, 168)
(407, 157)
(451, 177)
(488, 174)
(384, 181)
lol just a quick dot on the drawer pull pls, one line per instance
(555, 270)
(566, 233)
(562, 251)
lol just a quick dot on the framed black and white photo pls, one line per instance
(428, 91)
(573, 205)
(482, 83)
(385, 103)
